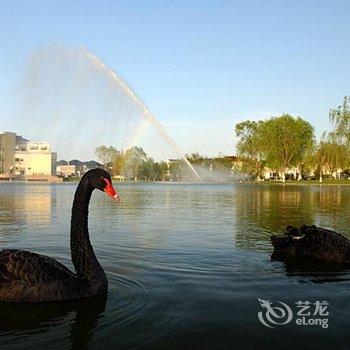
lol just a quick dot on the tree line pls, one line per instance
(134, 164)
(287, 141)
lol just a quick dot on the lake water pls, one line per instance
(186, 265)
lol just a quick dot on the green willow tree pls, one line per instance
(309, 161)
(340, 136)
(340, 119)
(331, 155)
(339, 155)
(322, 156)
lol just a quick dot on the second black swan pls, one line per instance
(313, 243)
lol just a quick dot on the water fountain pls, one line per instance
(100, 65)
(72, 92)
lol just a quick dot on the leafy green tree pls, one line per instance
(309, 161)
(159, 171)
(322, 155)
(194, 157)
(163, 166)
(105, 154)
(134, 163)
(176, 170)
(147, 170)
(118, 164)
(223, 162)
(111, 158)
(134, 159)
(249, 147)
(284, 141)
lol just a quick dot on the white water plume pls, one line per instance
(73, 100)
(143, 108)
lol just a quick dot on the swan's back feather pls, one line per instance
(32, 268)
(312, 242)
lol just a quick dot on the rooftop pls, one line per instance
(19, 138)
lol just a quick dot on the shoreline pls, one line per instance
(306, 183)
(261, 183)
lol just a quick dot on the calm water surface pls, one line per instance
(186, 265)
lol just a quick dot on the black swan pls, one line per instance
(311, 242)
(30, 277)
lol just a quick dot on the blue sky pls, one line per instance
(200, 66)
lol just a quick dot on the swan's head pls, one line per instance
(281, 243)
(102, 181)
(286, 246)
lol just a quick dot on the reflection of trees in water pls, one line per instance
(332, 204)
(17, 321)
(269, 209)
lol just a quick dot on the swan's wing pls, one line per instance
(20, 265)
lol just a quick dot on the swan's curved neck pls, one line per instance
(84, 260)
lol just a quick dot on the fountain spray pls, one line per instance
(100, 65)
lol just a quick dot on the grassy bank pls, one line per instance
(305, 182)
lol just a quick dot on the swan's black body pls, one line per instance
(30, 277)
(311, 242)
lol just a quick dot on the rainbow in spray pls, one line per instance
(149, 117)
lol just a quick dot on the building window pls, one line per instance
(17, 160)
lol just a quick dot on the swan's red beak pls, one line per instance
(110, 191)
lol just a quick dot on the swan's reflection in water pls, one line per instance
(19, 320)
(313, 271)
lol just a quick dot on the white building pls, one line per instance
(67, 170)
(34, 158)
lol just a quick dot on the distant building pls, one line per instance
(34, 158)
(7, 152)
(76, 167)
(19, 156)
(67, 170)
